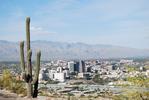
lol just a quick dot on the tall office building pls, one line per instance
(76, 67)
(71, 66)
(81, 66)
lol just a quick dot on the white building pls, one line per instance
(147, 73)
(43, 74)
(59, 69)
(126, 61)
(66, 72)
(59, 77)
(58, 74)
(40, 77)
(80, 75)
(51, 74)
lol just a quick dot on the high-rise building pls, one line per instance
(71, 66)
(76, 67)
(81, 66)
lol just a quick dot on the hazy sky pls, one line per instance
(116, 22)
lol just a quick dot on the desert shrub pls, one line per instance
(52, 82)
(132, 96)
(99, 80)
(7, 79)
(139, 81)
(8, 82)
(18, 87)
(1, 83)
(70, 94)
(119, 97)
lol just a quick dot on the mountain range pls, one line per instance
(9, 51)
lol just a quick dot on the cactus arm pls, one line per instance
(22, 60)
(35, 81)
(22, 56)
(37, 67)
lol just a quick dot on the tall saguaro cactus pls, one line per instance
(32, 83)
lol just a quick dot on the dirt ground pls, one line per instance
(6, 95)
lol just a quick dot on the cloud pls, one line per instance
(33, 28)
(40, 31)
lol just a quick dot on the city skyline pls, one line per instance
(123, 23)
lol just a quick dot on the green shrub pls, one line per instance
(139, 81)
(132, 96)
(8, 82)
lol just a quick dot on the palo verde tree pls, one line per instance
(32, 83)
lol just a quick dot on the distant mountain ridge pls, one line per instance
(9, 51)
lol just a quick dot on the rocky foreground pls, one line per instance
(6, 95)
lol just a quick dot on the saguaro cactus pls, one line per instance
(32, 83)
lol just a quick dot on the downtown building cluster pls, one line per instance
(62, 71)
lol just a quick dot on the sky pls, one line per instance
(113, 22)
